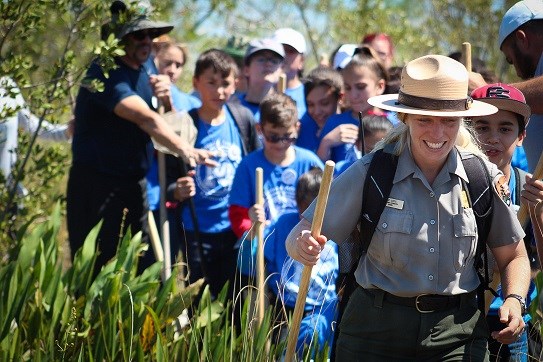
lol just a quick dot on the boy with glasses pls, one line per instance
(282, 163)
(263, 61)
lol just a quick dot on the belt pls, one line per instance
(424, 303)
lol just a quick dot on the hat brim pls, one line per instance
(389, 102)
(511, 105)
(160, 27)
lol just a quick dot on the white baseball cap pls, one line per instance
(291, 37)
(517, 15)
(344, 55)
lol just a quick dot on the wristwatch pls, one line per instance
(520, 300)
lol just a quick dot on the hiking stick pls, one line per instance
(466, 53)
(260, 278)
(155, 240)
(316, 226)
(164, 223)
(523, 215)
(282, 84)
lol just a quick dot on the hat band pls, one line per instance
(434, 104)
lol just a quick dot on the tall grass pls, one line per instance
(47, 314)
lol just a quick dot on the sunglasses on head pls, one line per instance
(276, 139)
(142, 34)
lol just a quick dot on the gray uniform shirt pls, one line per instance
(425, 243)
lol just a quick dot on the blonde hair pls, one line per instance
(401, 137)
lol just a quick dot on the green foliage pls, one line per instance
(53, 315)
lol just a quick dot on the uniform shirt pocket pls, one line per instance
(464, 243)
(391, 241)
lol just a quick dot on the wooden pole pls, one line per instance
(155, 242)
(260, 273)
(164, 224)
(282, 84)
(316, 226)
(466, 54)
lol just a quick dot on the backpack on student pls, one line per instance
(377, 187)
(244, 120)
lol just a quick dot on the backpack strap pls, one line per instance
(377, 187)
(193, 113)
(244, 120)
(480, 198)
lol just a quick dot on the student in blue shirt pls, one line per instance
(285, 273)
(323, 91)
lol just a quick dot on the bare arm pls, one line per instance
(533, 91)
(134, 109)
(514, 269)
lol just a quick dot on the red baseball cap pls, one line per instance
(505, 97)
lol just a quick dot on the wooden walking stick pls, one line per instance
(282, 84)
(164, 223)
(316, 226)
(466, 54)
(260, 277)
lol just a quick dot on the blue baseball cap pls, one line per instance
(517, 15)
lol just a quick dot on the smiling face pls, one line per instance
(360, 85)
(498, 134)
(432, 138)
(321, 103)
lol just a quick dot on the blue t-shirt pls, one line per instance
(213, 184)
(297, 94)
(279, 181)
(308, 137)
(254, 107)
(519, 159)
(285, 273)
(181, 102)
(103, 141)
(339, 153)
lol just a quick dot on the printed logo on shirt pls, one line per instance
(289, 176)
(215, 182)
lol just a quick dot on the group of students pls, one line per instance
(423, 251)
(291, 146)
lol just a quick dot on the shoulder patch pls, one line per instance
(502, 188)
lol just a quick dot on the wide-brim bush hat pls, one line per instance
(433, 85)
(505, 97)
(126, 19)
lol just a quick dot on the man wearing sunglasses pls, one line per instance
(111, 147)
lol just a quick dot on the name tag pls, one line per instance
(394, 203)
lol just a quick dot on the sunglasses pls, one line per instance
(276, 139)
(142, 34)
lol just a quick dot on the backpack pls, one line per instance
(244, 120)
(378, 185)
